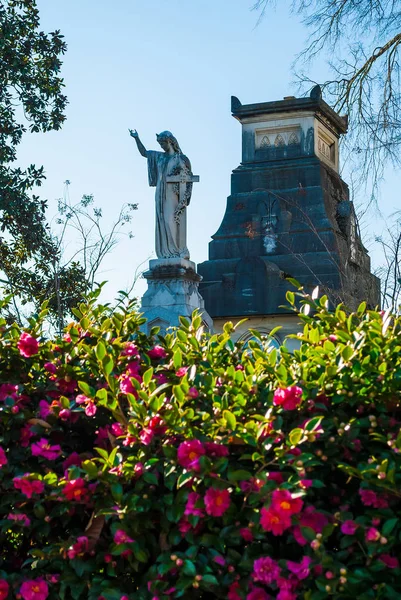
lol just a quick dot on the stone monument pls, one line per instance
(172, 278)
(289, 215)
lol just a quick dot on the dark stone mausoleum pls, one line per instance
(288, 215)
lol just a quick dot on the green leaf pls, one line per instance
(177, 359)
(86, 389)
(313, 424)
(100, 350)
(147, 376)
(230, 419)
(188, 568)
(239, 475)
(107, 364)
(389, 526)
(296, 435)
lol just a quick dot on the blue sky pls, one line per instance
(155, 65)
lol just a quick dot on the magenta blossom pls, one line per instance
(27, 345)
(130, 350)
(44, 449)
(181, 371)
(20, 518)
(390, 561)
(189, 453)
(190, 508)
(217, 502)
(349, 527)
(34, 589)
(257, 594)
(289, 398)
(122, 537)
(50, 368)
(157, 353)
(8, 390)
(301, 570)
(28, 487)
(265, 570)
(3, 457)
(80, 547)
(215, 450)
(372, 535)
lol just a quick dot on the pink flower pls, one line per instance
(266, 570)
(126, 385)
(44, 409)
(284, 503)
(134, 369)
(146, 436)
(246, 534)
(157, 352)
(257, 594)
(43, 448)
(286, 595)
(27, 345)
(289, 398)
(117, 429)
(75, 490)
(349, 527)
(273, 521)
(193, 393)
(122, 537)
(232, 591)
(190, 508)
(8, 390)
(28, 487)
(217, 502)
(306, 483)
(181, 371)
(189, 453)
(4, 587)
(90, 409)
(80, 547)
(19, 518)
(276, 476)
(3, 458)
(390, 561)
(130, 350)
(310, 518)
(372, 534)
(215, 450)
(219, 560)
(34, 589)
(139, 469)
(50, 368)
(370, 498)
(301, 570)
(25, 435)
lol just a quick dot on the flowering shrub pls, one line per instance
(135, 467)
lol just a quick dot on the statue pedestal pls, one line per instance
(172, 292)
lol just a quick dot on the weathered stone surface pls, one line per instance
(289, 214)
(173, 291)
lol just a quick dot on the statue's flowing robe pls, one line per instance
(170, 235)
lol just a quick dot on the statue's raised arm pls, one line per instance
(170, 173)
(141, 147)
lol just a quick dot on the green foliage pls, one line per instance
(171, 466)
(31, 99)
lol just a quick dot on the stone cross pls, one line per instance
(183, 178)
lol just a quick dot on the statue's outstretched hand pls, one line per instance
(133, 133)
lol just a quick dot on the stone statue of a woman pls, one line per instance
(170, 172)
